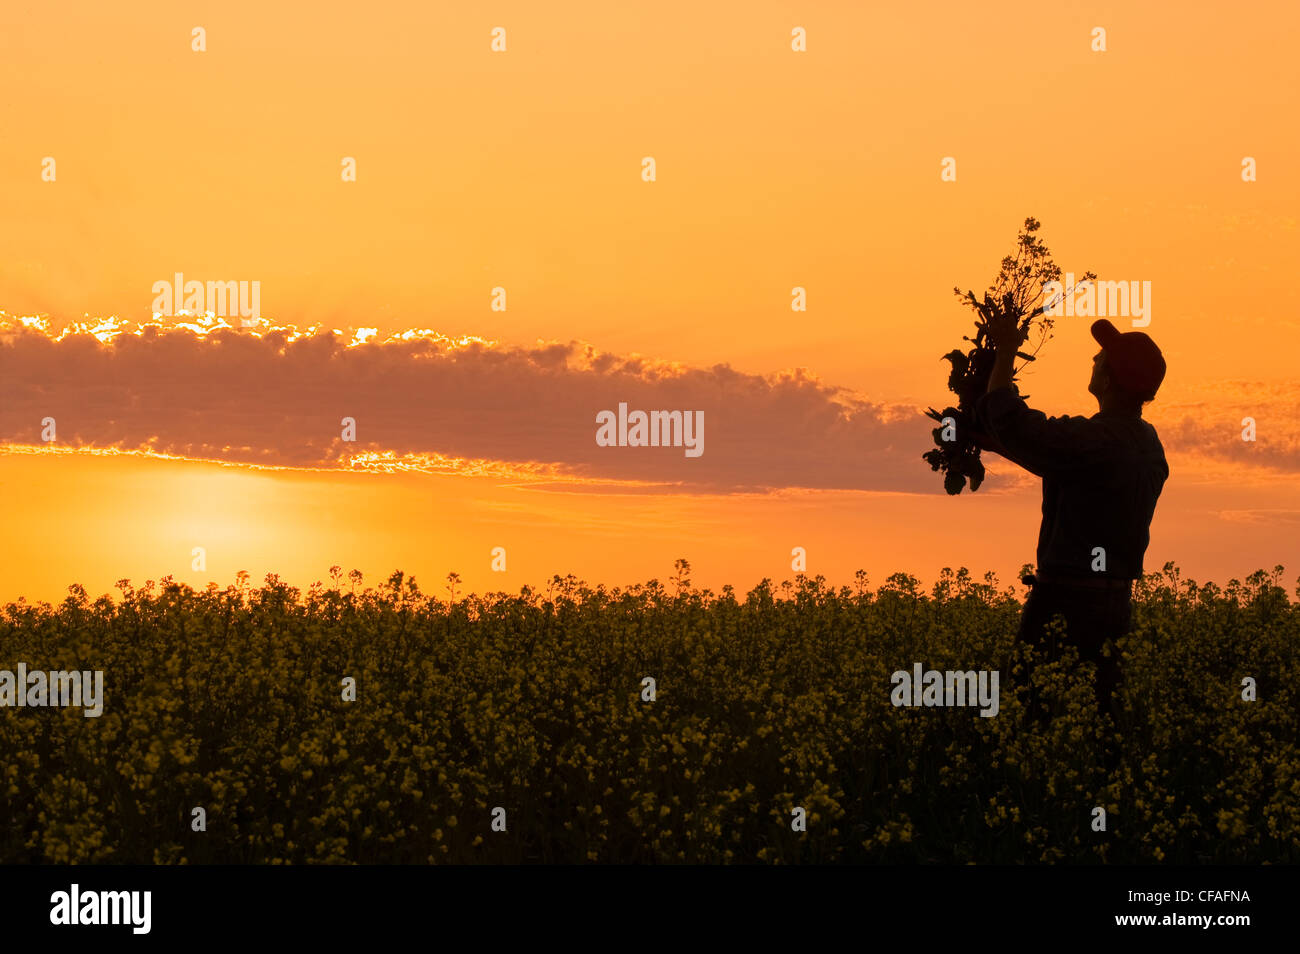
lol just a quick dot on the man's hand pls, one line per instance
(1005, 332)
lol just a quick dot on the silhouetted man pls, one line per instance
(1101, 478)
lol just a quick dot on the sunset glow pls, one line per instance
(499, 273)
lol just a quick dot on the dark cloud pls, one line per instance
(274, 401)
(278, 400)
(1217, 432)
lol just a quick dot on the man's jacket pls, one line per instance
(1101, 478)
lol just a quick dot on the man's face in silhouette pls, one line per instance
(1100, 379)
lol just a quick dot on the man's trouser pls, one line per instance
(1093, 617)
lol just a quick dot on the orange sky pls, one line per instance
(522, 169)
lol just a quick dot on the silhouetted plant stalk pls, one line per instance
(1019, 290)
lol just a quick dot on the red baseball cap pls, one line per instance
(1132, 358)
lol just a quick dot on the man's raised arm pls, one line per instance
(1007, 336)
(1039, 444)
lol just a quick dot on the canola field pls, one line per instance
(532, 713)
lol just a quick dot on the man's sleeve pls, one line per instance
(1044, 446)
